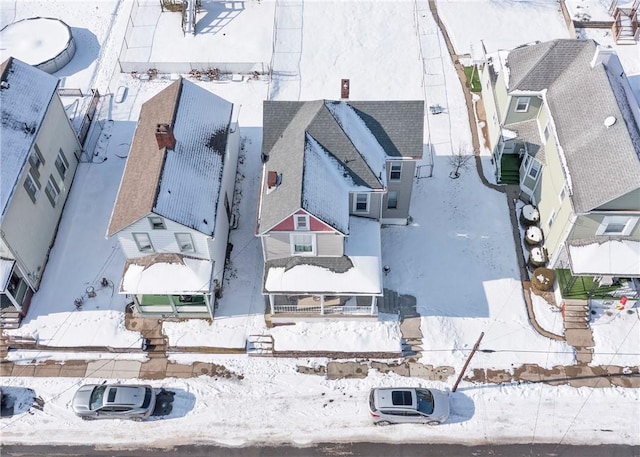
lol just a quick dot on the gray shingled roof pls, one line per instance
(398, 126)
(529, 133)
(580, 98)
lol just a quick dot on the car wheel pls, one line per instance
(87, 418)
(136, 419)
(433, 423)
(383, 423)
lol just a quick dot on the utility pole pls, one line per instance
(466, 364)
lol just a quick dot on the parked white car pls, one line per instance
(114, 401)
(399, 405)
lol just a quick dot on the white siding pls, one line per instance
(163, 241)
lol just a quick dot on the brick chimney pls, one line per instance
(344, 88)
(272, 179)
(164, 136)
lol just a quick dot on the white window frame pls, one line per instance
(396, 167)
(563, 193)
(535, 165)
(143, 245)
(304, 218)
(157, 223)
(519, 100)
(355, 202)
(552, 217)
(185, 242)
(293, 237)
(629, 223)
(389, 199)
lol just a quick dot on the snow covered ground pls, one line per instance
(457, 260)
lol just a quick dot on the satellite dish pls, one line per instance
(609, 121)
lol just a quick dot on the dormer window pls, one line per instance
(157, 223)
(522, 104)
(301, 222)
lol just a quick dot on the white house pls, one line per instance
(173, 210)
(39, 154)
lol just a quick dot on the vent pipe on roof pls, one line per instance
(165, 137)
(609, 121)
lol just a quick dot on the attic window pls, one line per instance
(157, 223)
(522, 104)
(301, 222)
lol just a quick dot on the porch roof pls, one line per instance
(173, 274)
(6, 266)
(613, 258)
(364, 277)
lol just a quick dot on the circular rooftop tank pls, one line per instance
(44, 42)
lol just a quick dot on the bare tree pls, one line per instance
(459, 161)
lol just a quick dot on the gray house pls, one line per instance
(334, 172)
(563, 124)
(39, 154)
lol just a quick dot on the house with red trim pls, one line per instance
(334, 172)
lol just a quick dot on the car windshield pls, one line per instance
(96, 397)
(425, 401)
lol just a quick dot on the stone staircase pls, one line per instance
(10, 318)
(576, 329)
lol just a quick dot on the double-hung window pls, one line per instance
(522, 104)
(62, 164)
(185, 242)
(534, 169)
(396, 172)
(32, 186)
(303, 244)
(52, 190)
(392, 199)
(143, 241)
(361, 203)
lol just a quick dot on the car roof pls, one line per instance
(396, 397)
(120, 394)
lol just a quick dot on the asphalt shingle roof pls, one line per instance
(397, 126)
(602, 163)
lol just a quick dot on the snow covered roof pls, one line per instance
(183, 183)
(25, 95)
(580, 97)
(613, 257)
(357, 272)
(166, 274)
(358, 136)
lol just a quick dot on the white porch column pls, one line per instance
(271, 298)
(321, 304)
(373, 304)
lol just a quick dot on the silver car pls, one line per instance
(114, 401)
(399, 405)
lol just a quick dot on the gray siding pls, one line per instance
(277, 245)
(404, 188)
(375, 199)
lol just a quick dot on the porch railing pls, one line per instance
(316, 310)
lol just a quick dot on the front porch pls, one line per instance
(321, 305)
(173, 305)
(15, 295)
